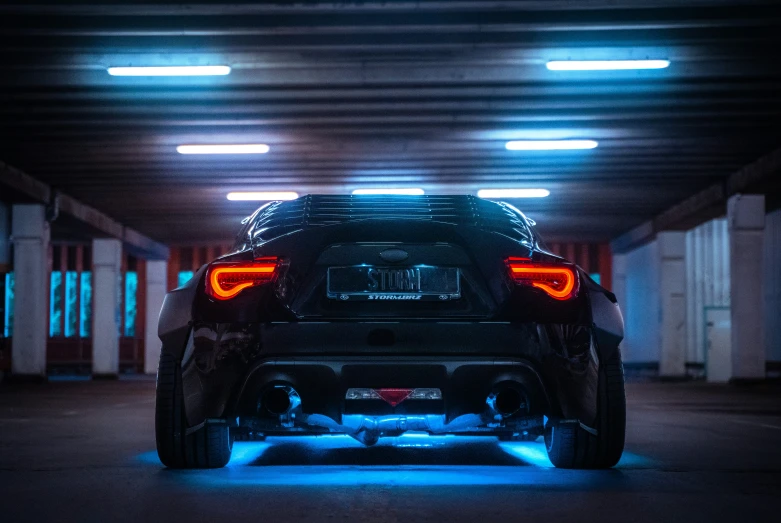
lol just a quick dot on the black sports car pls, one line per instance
(375, 315)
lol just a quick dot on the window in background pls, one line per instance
(131, 307)
(71, 310)
(8, 322)
(55, 304)
(184, 277)
(85, 301)
(596, 277)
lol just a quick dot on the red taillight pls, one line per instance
(558, 281)
(226, 280)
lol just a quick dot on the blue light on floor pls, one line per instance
(531, 453)
(246, 453)
(408, 460)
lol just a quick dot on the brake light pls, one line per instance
(558, 281)
(226, 280)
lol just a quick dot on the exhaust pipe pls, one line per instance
(367, 430)
(279, 400)
(506, 401)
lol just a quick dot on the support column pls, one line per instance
(106, 265)
(156, 287)
(672, 317)
(619, 289)
(30, 235)
(746, 222)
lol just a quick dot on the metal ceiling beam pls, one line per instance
(134, 241)
(705, 205)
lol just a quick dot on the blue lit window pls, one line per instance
(85, 301)
(184, 277)
(55, 304)
(131, 308)
(8, 321)
(596, 277)
(71, 311)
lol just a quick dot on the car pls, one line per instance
(372, 316)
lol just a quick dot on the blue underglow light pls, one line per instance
(605, 65)
(531, 453)
(338, 460)
(246, 453)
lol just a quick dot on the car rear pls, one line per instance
(372, 316)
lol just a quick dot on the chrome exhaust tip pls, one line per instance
(506, 401)
(279, 400)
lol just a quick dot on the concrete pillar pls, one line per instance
(619, 289)
(106, 296)
(30, 235)
(672, 311)
(156, 287)
(746, 221)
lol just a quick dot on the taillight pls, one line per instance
(558, 281)
(224, 280)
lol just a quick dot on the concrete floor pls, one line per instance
(83, 451)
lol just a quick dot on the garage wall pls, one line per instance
(641, 305)
(707, 281)
(773, 285)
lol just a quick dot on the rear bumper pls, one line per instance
(226, 367)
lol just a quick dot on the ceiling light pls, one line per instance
(549, 145)
(605, 65)
(265, 196)
(407, 192)
(512, 193)
(247, 148)
(179, 70)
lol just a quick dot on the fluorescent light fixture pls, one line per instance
(605, 65)
(550, 145)
(407, 192)
(177, 70)
(246, 148)
(512, 193)
(264, 196)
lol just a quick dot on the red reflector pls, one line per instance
(226, 280)
(557, 280)
(394, 396)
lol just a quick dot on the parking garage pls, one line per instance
(642, 138)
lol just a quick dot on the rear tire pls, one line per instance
(571, 446)
(207, 447)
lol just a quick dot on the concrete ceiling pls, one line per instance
(414, 94)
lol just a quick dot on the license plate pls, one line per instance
(419, 283)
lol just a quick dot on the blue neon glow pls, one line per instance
(55, 304)
(71, 312)
(183, 277)
(85, 301)
(605, 65)
(8, 319)
(131, 306)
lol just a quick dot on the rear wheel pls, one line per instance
(569, 445)
(206, 447)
